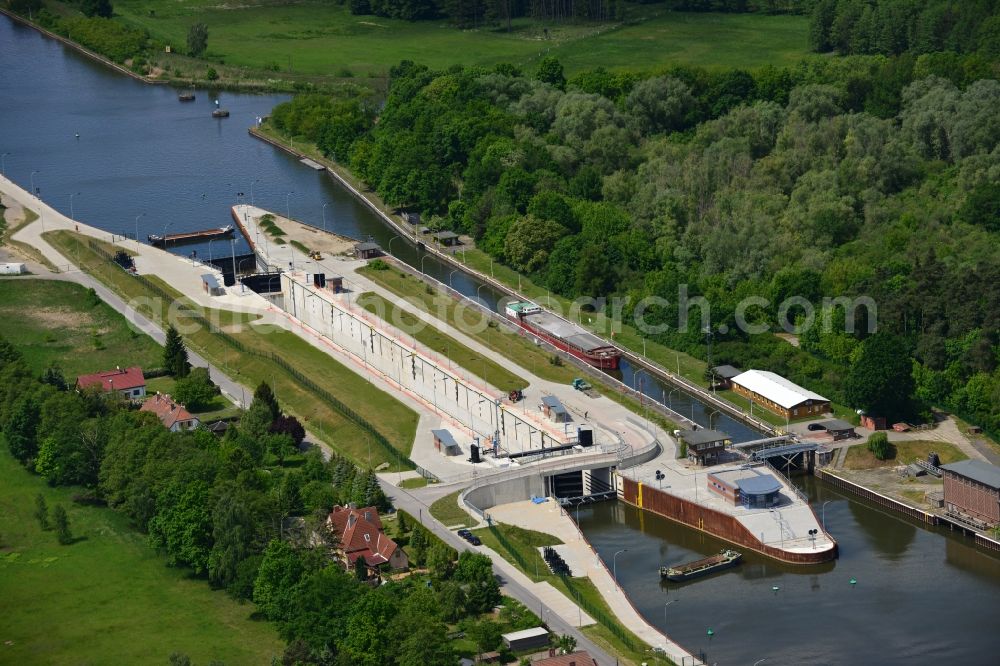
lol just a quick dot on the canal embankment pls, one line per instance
(409, 233)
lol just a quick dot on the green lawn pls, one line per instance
(859, 457)
(447, 511)
(108, 598)
(55, 323)
(415, 482)
(452, 349)
(395, 421)
(309, 37)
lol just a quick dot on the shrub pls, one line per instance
(211, 74)
(879, 445)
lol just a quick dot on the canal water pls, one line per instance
(141, 152)
(920, 596)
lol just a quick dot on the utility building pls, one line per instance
(704, 447)
(778, 394)
(972, 492)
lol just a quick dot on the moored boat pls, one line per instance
(703, 567)
(564, 335)
(186, 96)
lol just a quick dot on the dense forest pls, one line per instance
(482, 13)
(905, 26)
(220, 507)
(858, 176)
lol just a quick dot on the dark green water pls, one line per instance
(923, 596)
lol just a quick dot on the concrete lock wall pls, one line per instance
(512, 490)
(363, 336)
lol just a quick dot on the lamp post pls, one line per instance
(478, 295)
(422, 264)
(324, 215)
(449, 277)
(759, 661)
(3, 163)
(33, 182)
(823, 512)
(210, 249)
(614, 563)
(672, 601)
(256, 180)
(389, 249)
(137, 228)
(288, 210)
(72, 214)
(164, 236)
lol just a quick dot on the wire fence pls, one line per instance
(377, 438)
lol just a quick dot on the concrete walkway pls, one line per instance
(549, 517)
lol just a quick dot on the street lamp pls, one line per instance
(288, 210)
(614, 563)
(72, 215)
(478, 295)
(823, 511)
(759, 661)
(449, 277)
(257, 180)
(3, 163)
(324, 215)
(672, 601)
(210, 249)
(137, 228)
(390, 244)
(164, 236)
(33, 182)
(422, 264)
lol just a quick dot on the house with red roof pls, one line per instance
(359, 533)
(172, 415)
(128, 382)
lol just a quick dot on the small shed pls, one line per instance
(445, 443)
(367, 250)
(704, 446)
(839, 429)
(13, 269)
(724, 375)
(526, 639)
(210, 283)
(447, 238)
(555, 409)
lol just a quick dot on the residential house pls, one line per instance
(128, 382)
(172, 415)
(359, 534)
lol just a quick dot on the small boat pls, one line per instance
(220, 113)
(157, 240)
(186, 97)
(682, 572)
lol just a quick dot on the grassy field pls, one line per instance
(447, 511)
(56, 323)
(325, 39)
(394, 420)
(452, 349)
(859, 457)
(9, 227)
(108, 598)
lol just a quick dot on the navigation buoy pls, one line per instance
(854, 581)
(775, 588)
(78, 135)
(710, 632)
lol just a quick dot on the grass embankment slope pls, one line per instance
(473, 362)
(447, 511)
(520, 547)
(325, 39)
(395, 421)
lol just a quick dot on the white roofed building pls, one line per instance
(779, 395)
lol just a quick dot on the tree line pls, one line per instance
(861, 175)
(905, 26)
(224, 508)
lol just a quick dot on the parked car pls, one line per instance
(816, 426)
(464, 533)
(474, 540)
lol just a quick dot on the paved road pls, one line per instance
(402, 499)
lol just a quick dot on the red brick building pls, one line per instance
(172, 415)
(972, 490)
(359, 533)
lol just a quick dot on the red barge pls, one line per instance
(565, 335)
